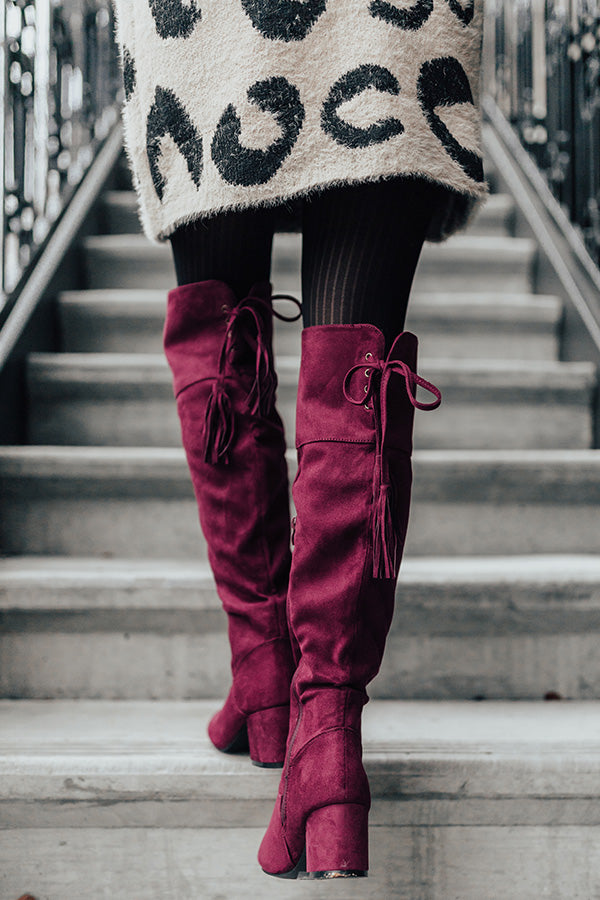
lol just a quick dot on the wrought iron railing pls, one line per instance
(60, 89)
(542, 68)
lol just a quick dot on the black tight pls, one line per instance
(360, 248)
(232, 247)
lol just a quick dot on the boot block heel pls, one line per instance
(267, 736)
(337, 842)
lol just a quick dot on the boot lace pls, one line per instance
(386, 542)
(247, 322)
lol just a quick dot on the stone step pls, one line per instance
(104, 799)
(471, 627)
(119, 210)
(131, 320)
(463, 262)
(496, 216)
(482, 326)
(487, 325)
(127, 400)
(138, 502)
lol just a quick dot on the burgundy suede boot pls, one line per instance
(354, 426)
(220, 353)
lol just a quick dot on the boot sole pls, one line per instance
(240, 745)
(334, 873)
(299, 872)
(299, 868)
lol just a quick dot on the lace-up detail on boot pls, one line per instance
(378, 373)
(248, 325)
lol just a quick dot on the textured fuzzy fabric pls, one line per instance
(238, 103)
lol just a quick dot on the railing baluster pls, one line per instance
(60, 87)
(3, 110)
(544, 75)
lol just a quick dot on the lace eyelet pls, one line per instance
(367, 407)
(367, 372)
(366, 388)
(368, 355)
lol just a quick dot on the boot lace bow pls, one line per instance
(386, 544)
(248, 322)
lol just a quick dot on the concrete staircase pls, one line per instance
(113, 649)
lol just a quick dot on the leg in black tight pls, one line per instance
(361, 246)
(234, 247)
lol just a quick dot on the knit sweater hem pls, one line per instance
(455, 214)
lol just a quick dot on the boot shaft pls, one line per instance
(220, 353)
(196, 324)
(340, 373)
(354, 427)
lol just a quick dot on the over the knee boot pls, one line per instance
(354, 427)
(220, 353)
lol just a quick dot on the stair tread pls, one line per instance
(486, 324)
(120, 198)
(113, 299)
(124, 244)
(464, 261)
(138, 746)
(493, 305)
(489, 301)
(507, 628)
(55, 575)
(41, 461)
(80, 500)
(145, 367)
(16, 459)
(51, 581)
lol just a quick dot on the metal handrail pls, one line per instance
(541, 65)
(60, 90)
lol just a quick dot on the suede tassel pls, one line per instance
(384, 535)
(218, 426)
(261, 396)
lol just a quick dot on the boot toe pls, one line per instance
(227, 730)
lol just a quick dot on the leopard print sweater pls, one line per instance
(236, 103)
